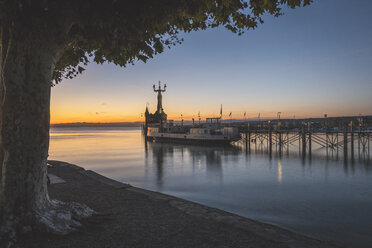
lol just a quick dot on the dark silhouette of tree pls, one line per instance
(44, 41)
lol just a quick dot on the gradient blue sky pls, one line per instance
(311, 61)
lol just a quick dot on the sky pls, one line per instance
(309, 62)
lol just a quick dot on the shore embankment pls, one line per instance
(134, 217)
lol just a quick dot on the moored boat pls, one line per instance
(210, 132)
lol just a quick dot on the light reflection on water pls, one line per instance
(326, 198)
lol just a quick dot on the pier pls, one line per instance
(346, 140)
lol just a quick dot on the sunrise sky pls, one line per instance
(309, 62)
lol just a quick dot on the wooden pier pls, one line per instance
(346, 140)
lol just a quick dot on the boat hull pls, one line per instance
(189, 139)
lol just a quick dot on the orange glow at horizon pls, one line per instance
(91, 116)
(69, 116)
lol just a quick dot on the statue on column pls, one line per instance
(159, 117)
(160, 100)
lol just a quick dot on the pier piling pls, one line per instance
(303, 134)
(352, 140)
(309, 130)
(345, 141)
(270, 138)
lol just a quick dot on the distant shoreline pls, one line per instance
(367, 118)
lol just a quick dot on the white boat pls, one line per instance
(211, 132)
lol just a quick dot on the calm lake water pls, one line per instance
(324, 197)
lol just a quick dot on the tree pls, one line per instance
(44, 41)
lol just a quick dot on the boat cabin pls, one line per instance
(199, 130)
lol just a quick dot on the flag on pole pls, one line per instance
(245, 113)
(230, 114)
(221, 110)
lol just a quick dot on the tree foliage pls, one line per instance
(123, 31)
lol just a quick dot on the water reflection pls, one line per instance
(280, 171)
(162, 155)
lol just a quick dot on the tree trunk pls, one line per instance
(27, 64)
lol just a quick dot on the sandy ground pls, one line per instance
(133, 217)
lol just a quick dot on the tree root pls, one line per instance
(62, 217)
(55, 217)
